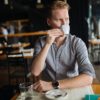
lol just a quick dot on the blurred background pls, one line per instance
(23, 21)
(29, 15)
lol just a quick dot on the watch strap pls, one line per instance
(55, 85)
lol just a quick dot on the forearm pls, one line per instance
(79, 81)
(39, 61)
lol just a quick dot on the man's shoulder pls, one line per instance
(74, 38)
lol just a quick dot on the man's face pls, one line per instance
(58, 18)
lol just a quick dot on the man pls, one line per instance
(60, 58)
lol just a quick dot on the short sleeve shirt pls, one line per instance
(67, 61)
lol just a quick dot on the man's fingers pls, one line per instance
(38, 87)
(54, 31)
(35, 86)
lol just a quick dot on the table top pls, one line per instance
(15, 45)
(94, 41)
(73, 94)
(25, 34)
(27, 54)
(96, 88)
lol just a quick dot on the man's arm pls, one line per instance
(39, 61)
(78, 81)
(86, 70)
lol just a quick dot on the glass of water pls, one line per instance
(25, 88)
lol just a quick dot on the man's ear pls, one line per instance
(48, 21)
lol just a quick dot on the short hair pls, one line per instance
(56, 4)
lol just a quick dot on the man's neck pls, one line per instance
(59, 41)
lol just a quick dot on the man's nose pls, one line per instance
(63, 21)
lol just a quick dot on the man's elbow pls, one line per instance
(35, 73)
(90, 80)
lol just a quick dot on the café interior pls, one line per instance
(22, 22)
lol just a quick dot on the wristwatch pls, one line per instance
(55, 85)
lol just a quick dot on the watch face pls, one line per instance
(55, 84)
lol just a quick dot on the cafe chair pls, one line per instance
(16, 63)
(96, 88)
(3, 62)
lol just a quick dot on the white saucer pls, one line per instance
(56, 94)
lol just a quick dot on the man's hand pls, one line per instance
(52, 35)
(42, 86)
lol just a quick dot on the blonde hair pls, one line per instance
(57, 4)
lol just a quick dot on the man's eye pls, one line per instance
(66, 19)
(56, 19)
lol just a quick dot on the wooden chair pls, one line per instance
(15, 62)
(96, 88)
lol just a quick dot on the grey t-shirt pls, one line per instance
(69, 60)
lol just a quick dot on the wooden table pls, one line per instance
(17, 45)
(4, 48)
(25, 34)
(95, 46)
(94, 41)
(27, 54)
(96, 88)
(73, 94)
